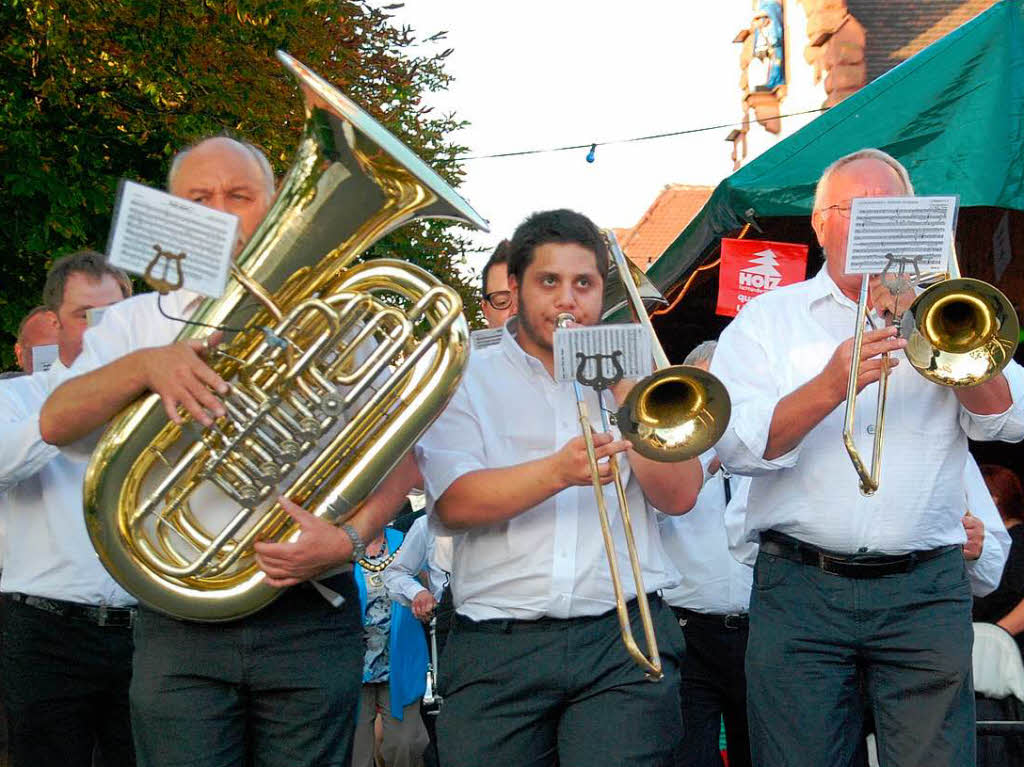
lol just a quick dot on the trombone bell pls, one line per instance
(679, 411)
(675, 413)
(960, 332)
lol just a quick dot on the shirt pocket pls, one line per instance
(515, 442)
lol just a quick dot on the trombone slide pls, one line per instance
(868, 479)
(651, 663)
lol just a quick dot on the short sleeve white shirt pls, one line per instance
(548, 560)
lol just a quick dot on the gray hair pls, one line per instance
(702, 353)
(863, 154)
(261, 160)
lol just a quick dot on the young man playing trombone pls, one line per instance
(535, 671)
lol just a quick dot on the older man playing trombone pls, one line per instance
(846, 584)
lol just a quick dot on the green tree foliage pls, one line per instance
(92, 91)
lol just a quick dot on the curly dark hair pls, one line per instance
(563, 226)
(499, 256)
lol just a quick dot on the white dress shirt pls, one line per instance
(414, 556)
(984, 572)
(548, 560)
(127, 326)
(780, 341)
(47, 552)
(711, 580)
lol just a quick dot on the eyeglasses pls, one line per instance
(842, 208)
(499, 299)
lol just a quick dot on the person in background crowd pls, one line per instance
(38, 328)
(535, 670)
(67, 650)
(401, 577)
(1005, 606)
(423, 552)
(395, 665)
(846, 584)
(283, 682)
(498, 301)
(711, 604)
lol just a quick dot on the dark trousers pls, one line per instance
(813, 634)
(442, 626)
(714, 687)
(65, 689)
(283, 683)
(531, 693)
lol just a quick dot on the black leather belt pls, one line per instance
(545, 623)
(100, 615)
(729, 621)
(847, 565)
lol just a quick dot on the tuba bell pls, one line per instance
(382, 344)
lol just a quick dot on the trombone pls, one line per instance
(674, 414)
(960, 332)
(431, 698)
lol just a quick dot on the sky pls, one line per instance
(532, 75)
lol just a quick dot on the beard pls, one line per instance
(528, 328)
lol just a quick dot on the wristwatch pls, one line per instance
(358, 547)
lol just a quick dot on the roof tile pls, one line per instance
(658, 228)
(896, 30)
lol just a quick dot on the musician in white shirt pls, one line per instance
(535, 670)
(204, 693)
(845, 583)
(711, 604)
(68, 642)
(401, 576)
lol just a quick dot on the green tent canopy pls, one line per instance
(953, 115)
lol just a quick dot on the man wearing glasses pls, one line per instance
(497, 303)
(848, 587)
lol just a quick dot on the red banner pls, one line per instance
(752, 267)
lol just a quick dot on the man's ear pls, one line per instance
(513, 286)
(818, 225)
(18, 351)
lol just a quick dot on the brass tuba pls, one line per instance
(382, 344)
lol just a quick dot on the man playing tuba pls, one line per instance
(286, 679)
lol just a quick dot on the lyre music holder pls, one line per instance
(599, 381)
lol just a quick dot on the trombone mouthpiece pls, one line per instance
(563, 319)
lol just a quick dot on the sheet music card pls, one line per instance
(606, 349)
(44, 356)
(146, 220)
(481, 339)
(900, 230)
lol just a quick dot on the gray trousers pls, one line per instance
(281, 686)
(546, 692)
(811, 636)
(404, 740)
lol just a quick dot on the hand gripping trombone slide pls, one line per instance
(651, 663)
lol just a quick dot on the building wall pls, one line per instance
(804, 89)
